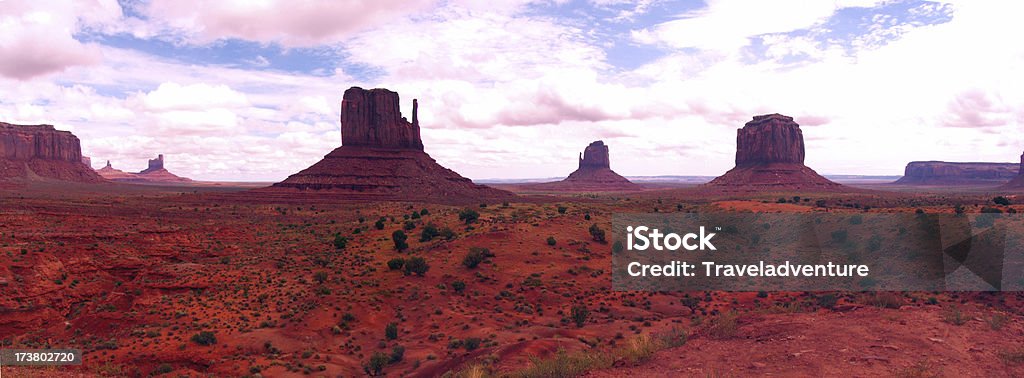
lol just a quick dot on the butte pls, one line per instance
(770, 156)
(41, 152)
(381, 158)
(593, 175)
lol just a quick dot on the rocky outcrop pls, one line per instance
(948, 173)
(769, 156)
(381, 158)
(155, 173)
(42, 152)
(372, 118)
(594, 174)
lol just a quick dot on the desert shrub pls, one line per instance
(391, 331)
(586, 216)
(839, 236)
(996, 321)
(885, 299)
(340, 241)
(468, 215)
(396, 263)
(552, 241)
(562, 209)
(471, 343)
(1013, 356)
(564, 364)
(379, 224)
(954, 315)
(458, 286)
(447, 233)
(990, 210)
(1001, 201)
(596, 233)
(320, 277)
(723, 326)
(163, 369)
(475, 256)
(579, 314)
(674, 337)
(409, 225)
(429, 232)
(827, 301)
(204, 338)
(415, 215)
(424, 212)
(416, 265)
(397, 354)
(376, 364)
(856, 219)
(400, 238)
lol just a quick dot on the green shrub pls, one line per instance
(468, 215)
(416, 265)
(562, 209)
(1001, 201)
(400, 238)
(396, 263)
(380, 223)
(476, 256)
(596, 233)
(552, 241)
(204, 338)
(391, 331)
(459, 286)
(340, 241)
(397, 353)
(429, 232)
(376, 364)
(579, 314)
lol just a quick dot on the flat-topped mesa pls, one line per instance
(42, 151)
(595, 156)
(770, 138)
(770, 155)
(955, 173)
(372, 118)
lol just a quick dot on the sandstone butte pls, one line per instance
(1017, 182)
(769, 156)
(954, 173)
(593, 174)
(381, 157)
(40, 152)
(155, 173)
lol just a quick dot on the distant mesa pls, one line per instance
(950, 173)
(381, 157)
(155, 173)
(41, 152)
(770, 155)
(594, 174)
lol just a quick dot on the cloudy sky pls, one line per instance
(249, 90)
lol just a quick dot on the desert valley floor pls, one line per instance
(219, 281)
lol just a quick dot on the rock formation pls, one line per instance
(947, 173)
(770, 155)
(41, 151)
(594, 174)
(155, 173)
(1017, 182)
(381, 157)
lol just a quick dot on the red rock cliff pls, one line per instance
(372, 118)
(595, 156)
(26, 142)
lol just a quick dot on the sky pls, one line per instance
(250, 90)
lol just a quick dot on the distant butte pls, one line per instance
(770, 155)
(381, 157)
(155, 173)
(34, 152)
(1017, 182)
(593, 174)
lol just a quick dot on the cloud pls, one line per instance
(174, 96)
(727, 25)
(290, 23)
(37, 38)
